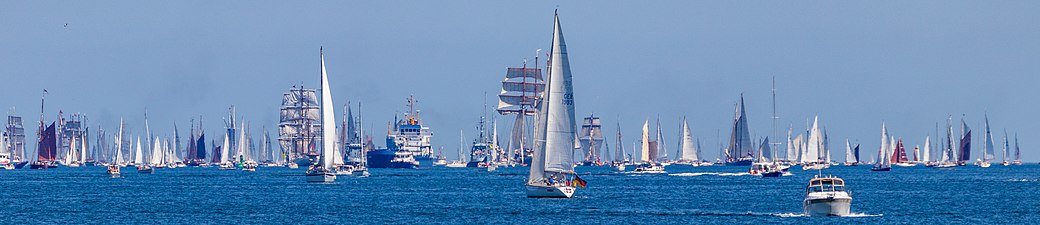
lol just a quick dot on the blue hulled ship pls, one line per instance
(407, 144)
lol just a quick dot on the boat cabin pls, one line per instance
(825, 184)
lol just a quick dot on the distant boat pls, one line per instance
(46, 145)
(1018, 154)
(948, 157)
(225, 154)
(851, 155)
(987, 148)
(688, 152)
(826, 196)
(620, 158)
(323, 172)
(15, 134)
(814, 155)
(5, 154)
(899, 155)
(740, 151)
(882, 163)
(591, 140)
(553, 161)
(648, 152)
(1005, 151)
(142, 166)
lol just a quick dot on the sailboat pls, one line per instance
(322, 172)
(987, 148)
(461, 162)
(947, 158)
(142, 166)
(117, 159)
(882, 163)
(225, 163)
(1018, 154)
(553, 160)
(740, 151)
(688, 148)
(814, 157)
(649, 153)
(899, 155)
(5, 154)
(359, 169)
(851, 155)
(1006, 146)
(619, 159)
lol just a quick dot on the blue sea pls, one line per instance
(683, 195)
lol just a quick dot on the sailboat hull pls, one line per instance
(539, 191)
(321, 177)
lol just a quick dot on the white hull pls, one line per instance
(827, 207)
(539, 191)
(321, 178)
(816, 166)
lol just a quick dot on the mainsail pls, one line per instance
(965, 147)
(988, 147)
(661, 151)
(849, 155)
(925, 156)
(689, 148)
(328, 119)
(815, 143)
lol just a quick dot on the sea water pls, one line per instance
(682, 195)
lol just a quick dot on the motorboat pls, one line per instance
(826, 196)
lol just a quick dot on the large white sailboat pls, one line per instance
(322, 171)
(225, 154)
(814, 156)
(689, 154)
(553, 159)
(883, 164)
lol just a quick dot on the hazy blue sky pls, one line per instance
(856, 64)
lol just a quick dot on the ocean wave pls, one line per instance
(1023, 180)
(645, 172)
(709, 173)
(786, 215)
(862, 215)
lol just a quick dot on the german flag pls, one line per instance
(578, 182)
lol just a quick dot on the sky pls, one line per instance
(909, 64)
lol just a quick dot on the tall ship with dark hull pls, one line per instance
(407, 144)
(299, 127)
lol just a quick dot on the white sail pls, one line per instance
(82, 148)
(138, 154)
(644, 154)
(328, 119)
(70, 155)
(926, 152)
(792, 154)
(799, 145)
(225, 149)
(157, 154)
(119, 144)
(849, 157)
(883, 152)
(662, 152)
(537, 173)
(559, 99)
(337, 158)
(815, 143)
(689, 148)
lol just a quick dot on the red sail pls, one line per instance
(48, 145)
(899, 155)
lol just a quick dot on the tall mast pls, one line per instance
(776, 143)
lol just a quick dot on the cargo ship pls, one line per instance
(407, 143)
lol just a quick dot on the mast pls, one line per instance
(620, 157)
(776, 145)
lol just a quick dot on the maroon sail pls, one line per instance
(48, 145)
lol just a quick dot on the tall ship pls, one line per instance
(521, 88)
(591, 138)
(407, 144)
(15, 134)
(299, 126)
(72, 139)
(740, 151)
